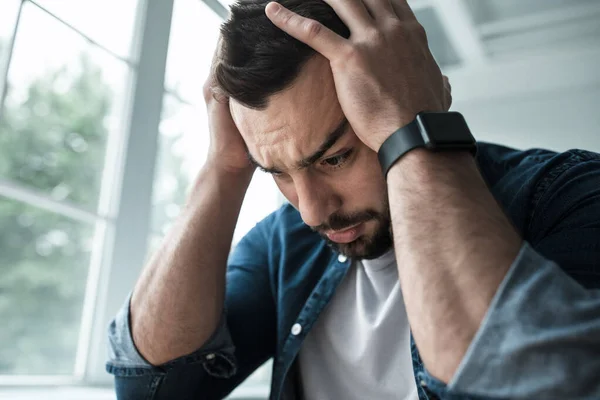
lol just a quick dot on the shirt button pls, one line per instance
(296, 329)
(342, 258)
(210, 356)
(423, 383)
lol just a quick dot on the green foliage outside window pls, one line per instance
(53, 141)
(53, 138)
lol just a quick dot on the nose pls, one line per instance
(316, 200)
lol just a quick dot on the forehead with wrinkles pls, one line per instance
(297, 120)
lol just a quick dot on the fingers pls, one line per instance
(403, 10)
(447, 83)
(306, 30)
(352, 12)
(447, 93)
(210, 79)
(379, 9)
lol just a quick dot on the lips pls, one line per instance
(346, 235)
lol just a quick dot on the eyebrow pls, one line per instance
(306, 162)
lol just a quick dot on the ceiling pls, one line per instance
(480, 31)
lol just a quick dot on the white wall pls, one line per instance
(549, 99)
(557, 120)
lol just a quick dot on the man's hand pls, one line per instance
(227, 148)
(384, 73)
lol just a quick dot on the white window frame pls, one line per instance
(126, 243)
(122, 221)
(125, 200)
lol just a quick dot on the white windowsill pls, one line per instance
(251, 392)
(57, 393)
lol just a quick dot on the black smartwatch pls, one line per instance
(436, 131)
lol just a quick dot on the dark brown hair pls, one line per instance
(256, 59)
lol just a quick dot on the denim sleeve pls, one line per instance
(540, 338)
(242, 342)
(123, 354)
(136, 378)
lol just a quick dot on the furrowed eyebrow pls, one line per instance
(306, 162)
(257, 165)
(327, 144)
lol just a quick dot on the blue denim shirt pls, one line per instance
(540, 338)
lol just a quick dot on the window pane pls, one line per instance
(184, 141)
(64, 97)
(262, 198)
(227, 3)
(8, 17)
(44, 269)
(154, 242)
(194, 35)
(111, 23)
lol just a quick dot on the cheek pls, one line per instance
(366, 173)
(366, 182)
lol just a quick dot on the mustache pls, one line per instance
(340, 221)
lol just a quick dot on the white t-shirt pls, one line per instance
(359, 348)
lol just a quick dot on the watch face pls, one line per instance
(445, 129)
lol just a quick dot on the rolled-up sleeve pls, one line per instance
(540, 339)
(243, 340)
(216, 356)
(182, 378)
(122, 350)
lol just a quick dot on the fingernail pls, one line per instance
(274, 8)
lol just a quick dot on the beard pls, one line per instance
(365, 246)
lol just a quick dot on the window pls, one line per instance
(64, 86)
(77, 139)
(103, 128)
(184, 138)
(8, 18)
(44, 270)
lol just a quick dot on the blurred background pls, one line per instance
(103, 127)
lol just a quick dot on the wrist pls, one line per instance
(381, 133)
(423, 167)
(228, 169)
(224, 175)
(441, 133)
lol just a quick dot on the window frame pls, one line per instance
(122, 225)
(104, 219)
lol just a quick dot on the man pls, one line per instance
(404, 268)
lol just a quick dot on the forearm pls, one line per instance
(178, 301)
(454, 246)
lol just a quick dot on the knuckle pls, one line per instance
(420, 30)
(286, 19)
(212, 93)
(207, 91)
(394, 25)
(349, 53)
(312, 29)
(400, 31)
(375, 35)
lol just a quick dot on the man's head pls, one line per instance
(283, 100)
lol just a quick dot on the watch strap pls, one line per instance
(399, 143)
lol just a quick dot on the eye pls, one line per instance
(337, 161)
(280, 176)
